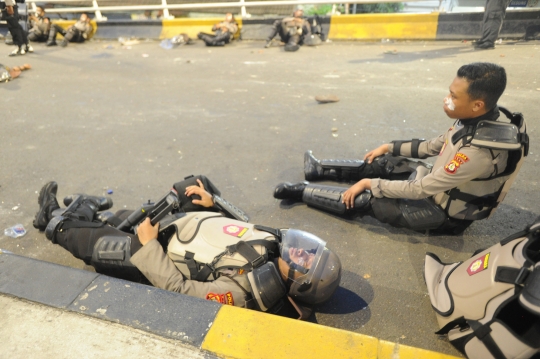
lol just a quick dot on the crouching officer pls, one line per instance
(478, 158)
(203, 248)
(79, 32)
(293, 31)
(40, 28)
(489, 305)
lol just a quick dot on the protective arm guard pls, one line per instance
(229, 209)
(409, 148)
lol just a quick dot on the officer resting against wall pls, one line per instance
(223, 32)
(477, 160)
(78, 32)
(40, 27)
(203, 248)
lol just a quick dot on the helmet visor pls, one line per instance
(302, 251)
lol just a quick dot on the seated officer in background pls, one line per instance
(40, 26)
(223, 32)
(476, 162)
(203, 247)
(79, 32)
(293, 31)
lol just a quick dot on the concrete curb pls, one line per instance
(224, 331)
(434, 26)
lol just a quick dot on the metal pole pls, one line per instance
(99, 17)
(166, 14)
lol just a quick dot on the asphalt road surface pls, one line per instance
(97, 117)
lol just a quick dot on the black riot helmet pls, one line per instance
(312, 270)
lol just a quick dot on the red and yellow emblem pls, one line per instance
(478, 265)
(458, 160)
(226, 298)
(234, 230)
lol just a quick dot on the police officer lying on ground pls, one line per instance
(79, 32)
(477, 160)
(195, 250)
(40, 28)
(223, 32)
(293, 31)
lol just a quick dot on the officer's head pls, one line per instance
(84, 17)
(311, 271)
(475, 90)
(229, 17)
(298, 13)
(40, 11)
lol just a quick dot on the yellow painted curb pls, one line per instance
(246, 334)
(64, 24)
(191, 27)
(382, 26)
(389, 350)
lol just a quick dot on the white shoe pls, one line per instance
(15, 52)
(22, 51)
(29, 48)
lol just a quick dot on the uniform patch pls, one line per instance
(458, 160)
(226, 298)
(478, 265)
(234, 230)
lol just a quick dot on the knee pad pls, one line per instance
(112, 252)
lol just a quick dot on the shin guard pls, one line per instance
(329, 198)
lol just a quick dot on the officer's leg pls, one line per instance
(419, 215)
(68, 36)
(32, 36)
(105, 248)
(387, 167)
(275, 29)
(494, 14)
(294, 43)
(51, 41)
(328, 198)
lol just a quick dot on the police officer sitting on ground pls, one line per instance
(79, 32)
(293, 31)
(40, 27)
(477, 159)
(10, 14)
(195, 250)
(223, 32)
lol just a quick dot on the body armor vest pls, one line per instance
(484, 304)
(204, 245)
(478, 199)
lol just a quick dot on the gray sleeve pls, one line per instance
(426, 149)
(160, 270)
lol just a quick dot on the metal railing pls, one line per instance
(165, 7)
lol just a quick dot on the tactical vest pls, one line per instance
(206, 245)
(484, 303)
(478, 199)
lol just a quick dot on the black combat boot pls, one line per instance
(345, 170)
(289, 190)
(292, 44)
(47, 204)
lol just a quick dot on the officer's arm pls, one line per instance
(417, 148)
(468, 164)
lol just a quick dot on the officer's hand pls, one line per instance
(379, 151)
(206, 198)
(146, 232)
(350, 194)
(9, 10)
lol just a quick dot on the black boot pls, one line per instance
(104, 203)
(330, 199)
(347, 170)
(47, 204)
(292, 44)
(289, 190)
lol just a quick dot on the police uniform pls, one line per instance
(14, 27)
(40, 29)
(292, 31)
(220, 37)
(466, 183)
(79, 32)
(495, 11)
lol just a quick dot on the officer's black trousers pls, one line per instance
(14, 27)
(494, 14)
